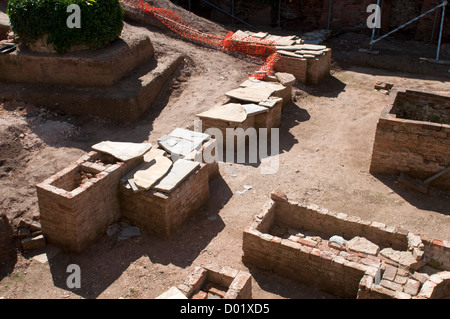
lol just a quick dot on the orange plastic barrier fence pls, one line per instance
(232, 42)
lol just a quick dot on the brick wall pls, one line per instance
(238, 282)
(418, 148)
(310, 71)
(74, 215)
(162, 213)
(325, 267)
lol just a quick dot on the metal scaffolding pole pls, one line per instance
(440, 32)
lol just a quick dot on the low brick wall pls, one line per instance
(237, 282)
(162, 213)
(308, 254)
(73, 215)
(310, 71)
(419, 148)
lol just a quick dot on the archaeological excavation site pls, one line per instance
(233, 150)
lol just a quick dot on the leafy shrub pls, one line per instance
(101, 22)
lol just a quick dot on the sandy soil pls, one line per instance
(326, 140)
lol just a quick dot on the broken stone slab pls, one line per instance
(362, 245)
(285, 79)
(254, 109)
(179, 147)
(172, 293)
(404, 259)
(251, 94)
(231, 112)
(148, 173)
(33, 243)
(270, 102)
(189, 135)
(262, 84)
(123, 151)
(179, 171)
(153, 153)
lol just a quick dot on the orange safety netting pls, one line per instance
(232, 42)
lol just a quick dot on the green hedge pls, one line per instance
(101, 22)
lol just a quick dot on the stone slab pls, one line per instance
(362, 245)
(231, 112)
(254, 109)
(172, 293)
(309, 52)
(179, 147)
(288, 53)
(154, 152)
(149, 173)
(251, 94)
(262, 84)
(270, 102)
(189, 135)
(180, 170)
(123, 151)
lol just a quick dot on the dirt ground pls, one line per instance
(326, 140)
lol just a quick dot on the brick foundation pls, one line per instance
(310, 71)
(73, 215)
(236, 283)
(162, 213)
(418, 147)
(306, 253)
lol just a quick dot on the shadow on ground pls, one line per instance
(437, 200)
(284, 287)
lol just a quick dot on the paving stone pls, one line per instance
(391, 285)
(123, 151)
(179, 171)
(231, 112)
(285, 78)
(389, 273)
(362, 245)
(262, 84)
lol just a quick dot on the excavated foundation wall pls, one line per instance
(407, 141)
(75, 213)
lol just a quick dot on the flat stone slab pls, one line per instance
(254, 109)
(362, 245)
(289, 53)
(123, 151)
(172, 293)
(231, 112)
(251, 94)
(180, 170)
(309, 52)
(179, 147)
(285, 78)
(151, 172)
(154, 152)
(270, 102)
(189, 135)
(403, 258)
(262, 84)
